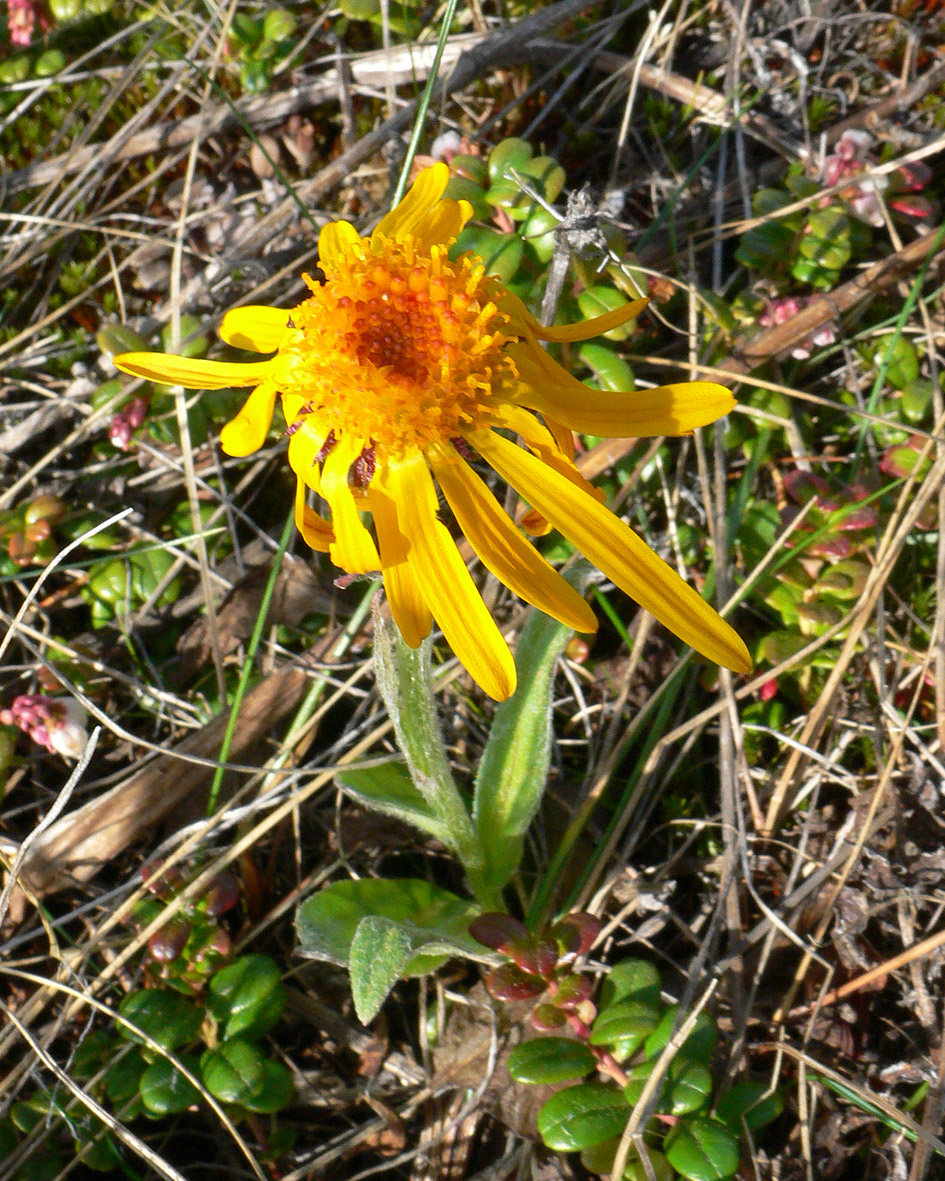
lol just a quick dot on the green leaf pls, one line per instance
(749, 1104)
(380, 952)
(690, 1087)
(164, 1090)
(900, 360)
(699, 1046)
(702, 1150)
(326, 923)
(610, 370)
(513, 769)
(508, 155)
(636, 980)
(388, 788)
(624, 1027)
(405, 679)
(550, 1060)
(537, 232)
(580, 1117)
(247, 997)
(277, 1089)
(501, 254)
(124, 1076)
(166, 1017)
(600, 1159)
(234, 1072)
(596, 300)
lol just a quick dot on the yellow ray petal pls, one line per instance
(667, 410)
(616, 550)
(353, 548)
(316, 532)
(247, 432)
(258, 328)
(191, 372)
(447, 586)
(442, 224)
(503, 550)
(336, 240)
(525, 323)
(304, 445)
(538, 438)
(408, 605)
(422, 195)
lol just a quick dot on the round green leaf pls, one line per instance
(166, 1017)
(550, 1060)
(699, 1046)
(123, 1076)
(511, 154)
(636, 980)
(702, 1150)
(582, 1116)
(595, 301)
(624, 1026)
(164, 1090)
(538, 232)
(277, 1089)
(610, 370)
(690, 1086)
(234, 1072)
(247, 997)
(901, 361)
(600, 1159)
(750, 1105)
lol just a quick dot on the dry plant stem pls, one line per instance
(114, 1126)
(77, 846)
(405, 65)
(900, 525)
(866, 831)
(83, 999)
(892, 1112)
(748, 354)
(912, 954)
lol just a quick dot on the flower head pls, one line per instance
(395, 372)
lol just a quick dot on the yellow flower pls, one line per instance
(393, 373)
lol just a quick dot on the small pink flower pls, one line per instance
(126, 422)
(21, 20)
(57, 723)
(781, 310)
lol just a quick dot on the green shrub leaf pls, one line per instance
(582, 1116)
(702, 1150)
(550, 1060)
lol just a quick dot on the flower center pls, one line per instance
(397, 348)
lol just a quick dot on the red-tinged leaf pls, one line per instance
(509, 983)
(498, 931)
(576, 932)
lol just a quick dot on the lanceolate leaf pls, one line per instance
(514, 765)
(380, 952)
(388, 788)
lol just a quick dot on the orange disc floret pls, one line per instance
(401, 349)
